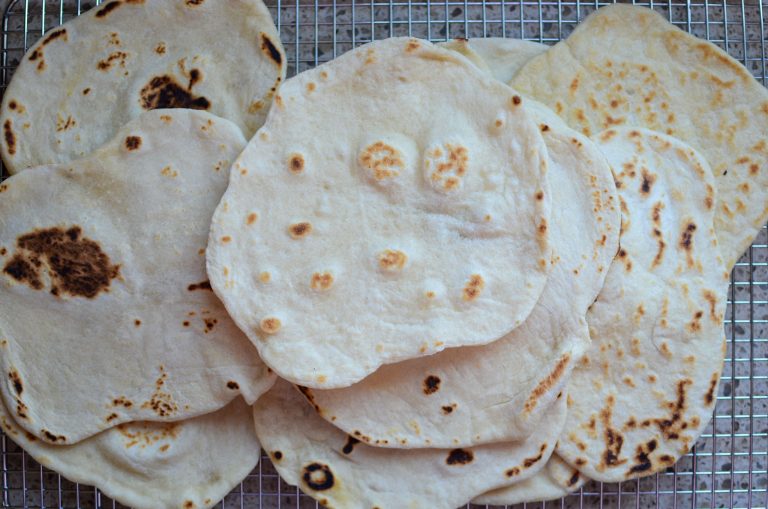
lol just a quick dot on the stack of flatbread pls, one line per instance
(482, 270)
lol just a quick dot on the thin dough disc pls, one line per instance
(499, 392)
(626, 65)
(338, 471)
(106, 314)
(418, 222)
(84, 80)
(646, 389)
(187, 464)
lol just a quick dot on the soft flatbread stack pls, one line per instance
(647, 387)
(394, 235)
(499, 392)
(338, 471)
(149, 465)
(628, 66)
(107, 314)
(85, 79)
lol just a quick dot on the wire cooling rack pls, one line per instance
(727, 468)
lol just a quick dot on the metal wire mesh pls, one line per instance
(727, 468)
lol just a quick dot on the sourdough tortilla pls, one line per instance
(627, 65)
(338, 471)
(556, 480)
(85, 79)
(392, 235)
(647, 387)
(500, 57)
(499, 392)
(106, 314)
(146, 465)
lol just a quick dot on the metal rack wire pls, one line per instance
(728, 466)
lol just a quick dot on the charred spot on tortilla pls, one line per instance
(165, 92)
(431, 384)
(270, 49)
(76, 264)
(459, 457)
(318, 477)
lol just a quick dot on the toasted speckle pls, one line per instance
(251, 218)
(321, 281)
(300, 230)
(270, 325)
(473, 288)
(392, 260)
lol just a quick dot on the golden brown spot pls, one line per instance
(529, 462)
(431, 384)
(412, 46)
(296, 163)
(447, 409)
(269, 49)
(270, 325)
(686, 242)
(233, 385)
(118, 57)
(122, 401)
(473, 287)
(194, 3)
(189, 504)
(75, 265)
(166, 118)
(753, 169)
(382, 161)
(251, 218)
(321, 281)
(459, 457)
(512, 472)
(209, 323)
(161, 402)
(137, 323)
(614, 440)
(392, 259)
(10, 138)
(318, 477)
(264, 277)
(574, 86)
(55, 34)
(226, 239)
(548, 383)
(539, 195)
(108, 7)
(111, 417)
(498, 123)
(299, 230)
(709, 397)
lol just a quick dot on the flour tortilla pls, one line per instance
(501, 57)
(499, 392)
(180, 465)
(106, 315)
(647, 387)
(626, 65)
(556, 480)
(85, 79)
(393, 235)
(341, 473)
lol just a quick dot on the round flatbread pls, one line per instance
(106, 313)
(646, 389)
(628, 66)
(499, 392)
(393, 235)
(84, 80)
(148, 465)
(338, 471)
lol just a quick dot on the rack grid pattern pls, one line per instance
(729, 465)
